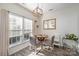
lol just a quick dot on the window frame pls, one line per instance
(21, 39)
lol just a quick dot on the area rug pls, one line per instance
(58, 52)
(47, 52)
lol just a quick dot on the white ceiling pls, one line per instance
(47, 7)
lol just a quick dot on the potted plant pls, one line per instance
(71, 37)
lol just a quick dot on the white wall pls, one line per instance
(15, 8)
(66, 20)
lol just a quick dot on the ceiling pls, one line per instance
(47, 7)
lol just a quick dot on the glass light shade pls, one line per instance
(37, 12)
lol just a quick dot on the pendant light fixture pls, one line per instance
(37, 12)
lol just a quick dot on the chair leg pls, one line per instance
(30, 47)
(59, 46)
(49, 48)
(53, 46)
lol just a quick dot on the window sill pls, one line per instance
(18, 43)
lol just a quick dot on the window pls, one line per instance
(20, 29)
(27, 28)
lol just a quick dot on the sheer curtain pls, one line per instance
(3, 32)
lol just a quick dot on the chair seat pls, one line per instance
(56, 42)
(48, 42)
